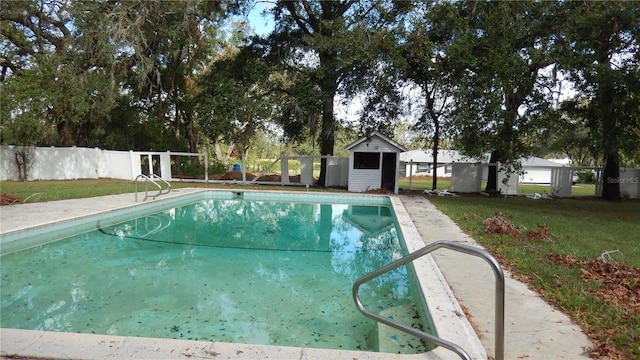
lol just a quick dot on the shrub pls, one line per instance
(217, 168)
(586, 177)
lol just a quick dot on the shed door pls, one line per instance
(389, 171)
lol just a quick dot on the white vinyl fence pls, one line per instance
(468, 178)
(59, 163)
(68, 163)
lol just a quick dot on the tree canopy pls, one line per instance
(325, 41)
(505, 78)
(603, 60)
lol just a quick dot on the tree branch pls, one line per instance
(290, 6)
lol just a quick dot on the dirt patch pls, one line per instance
(271, 177)
(234, 175)
(237, 176)
(377, 191)
(8, 199)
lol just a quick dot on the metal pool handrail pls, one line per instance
(150, 179)
(499, 295)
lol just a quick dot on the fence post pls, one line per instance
(165, 166)
(284, 170)
(206, 167)
(410, 173)
(134, 162)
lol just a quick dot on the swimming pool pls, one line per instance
(143, 235)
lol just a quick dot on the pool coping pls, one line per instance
(447, 314)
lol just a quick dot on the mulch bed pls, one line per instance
(8, 199)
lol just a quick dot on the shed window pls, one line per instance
(366, 160)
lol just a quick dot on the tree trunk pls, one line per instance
(610, 129)
(327, 137)
(434, 182)
(192, 137)
(611, 171)
(245, 154)
(492, 177)
(70, 134)
(328, 87)
(65, 134)
(611, 176)
(507, 135)
(22, 161)
(222, 158)
(436, 139)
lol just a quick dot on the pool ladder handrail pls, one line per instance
(161, 225)
(499, 296)
(151, 179)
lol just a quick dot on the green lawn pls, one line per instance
(60, 189)
(581, 229)
(423, 183)
(57, 190)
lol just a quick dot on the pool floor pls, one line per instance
(183, 284)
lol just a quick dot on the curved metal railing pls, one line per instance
(151, 179)
(499, 294)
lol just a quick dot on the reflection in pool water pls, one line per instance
(257, 272)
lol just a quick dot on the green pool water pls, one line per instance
(257, 272)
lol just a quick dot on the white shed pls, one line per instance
(374, 163)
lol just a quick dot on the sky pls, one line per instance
(261, 25)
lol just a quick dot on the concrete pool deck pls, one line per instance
(534, 329)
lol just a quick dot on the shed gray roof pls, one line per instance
(376, 134)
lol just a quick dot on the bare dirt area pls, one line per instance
(237, 176)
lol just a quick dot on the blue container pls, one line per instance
(236, 167)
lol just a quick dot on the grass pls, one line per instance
(425, 182)
(67, 189)
(59, 190)
(581, 228)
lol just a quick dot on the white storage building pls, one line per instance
(374, 163)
